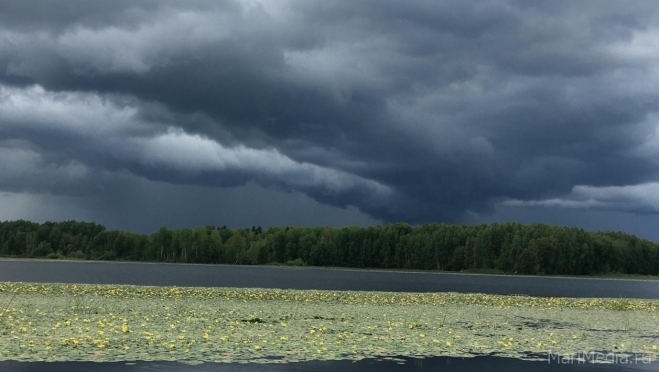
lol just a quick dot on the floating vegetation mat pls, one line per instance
(66, 322)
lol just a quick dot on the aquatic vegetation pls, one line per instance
(73, 322)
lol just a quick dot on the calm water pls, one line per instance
(324, 279)
(478, 364)
(317, 278)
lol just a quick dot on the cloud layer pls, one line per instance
(431, 112)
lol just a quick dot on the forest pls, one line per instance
(504, 247)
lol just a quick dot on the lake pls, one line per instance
(477, 364)
(323, 279)
(157, 274)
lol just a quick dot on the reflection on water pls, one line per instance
(316, 278)
(477, 364)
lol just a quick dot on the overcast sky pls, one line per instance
(142, 113)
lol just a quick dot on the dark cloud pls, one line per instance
(435, 111)
(143, 206)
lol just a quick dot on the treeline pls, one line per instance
(507, 247)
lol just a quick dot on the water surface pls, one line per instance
(477, 364)
(318, 278)
(322, 279)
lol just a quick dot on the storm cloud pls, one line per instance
(391, 110)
